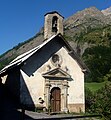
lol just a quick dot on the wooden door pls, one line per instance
(55, 99)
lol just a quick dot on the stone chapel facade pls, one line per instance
(50, 75)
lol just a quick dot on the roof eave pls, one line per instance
(53, 13)
(75, 56)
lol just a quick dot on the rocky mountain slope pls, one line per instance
(77, 25)
(107, 11)
(82, 21)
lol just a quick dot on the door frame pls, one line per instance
(63, 85)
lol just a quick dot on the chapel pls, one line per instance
(49, 76)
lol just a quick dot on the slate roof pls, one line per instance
(53, 13)
(23, 57)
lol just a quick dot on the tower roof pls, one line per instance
(53, 13)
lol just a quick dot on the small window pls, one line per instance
(55, 58)
(54, 24)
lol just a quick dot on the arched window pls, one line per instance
(54, 24)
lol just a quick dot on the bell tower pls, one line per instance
(53, 24)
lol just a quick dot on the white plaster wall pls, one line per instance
(35, 85)
(76, 86)
(35, 82)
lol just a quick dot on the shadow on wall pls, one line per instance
(10, 106)
(26, 99)
(16, 88)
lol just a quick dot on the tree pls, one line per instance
(98, 60)
(89, 99)
(102, 102)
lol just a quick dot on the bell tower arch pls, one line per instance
(53, 24)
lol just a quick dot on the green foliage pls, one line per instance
(107, 77)
(100, 101)
(97, 55)
(98, 60)
(94, 86)
(68, 38)
(6, 61)
(89, 98)
(97, 36)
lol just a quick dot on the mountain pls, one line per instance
(85, 31)
(82, 23)
(89, 18)
(107, 11)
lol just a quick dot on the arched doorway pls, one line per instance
(55, 99)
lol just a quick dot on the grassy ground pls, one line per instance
(94, 86)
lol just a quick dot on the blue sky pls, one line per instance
(22, 19)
